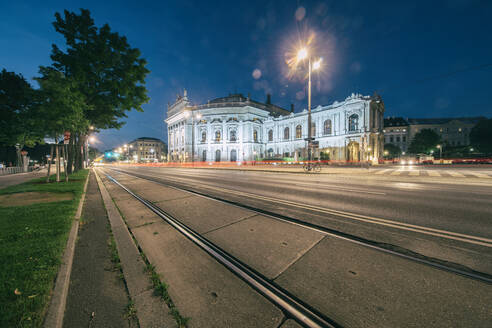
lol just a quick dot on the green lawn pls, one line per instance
(32, 240)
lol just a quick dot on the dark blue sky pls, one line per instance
(405, 50)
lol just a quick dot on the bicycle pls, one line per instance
(312, 167)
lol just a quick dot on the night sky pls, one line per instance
(426, 58)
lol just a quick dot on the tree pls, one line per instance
(481, 136)
(108, 74)
(19, 119)
(393, 150)
(424, 141)
(62, 106)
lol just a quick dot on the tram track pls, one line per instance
(384, 248)
(295, 308)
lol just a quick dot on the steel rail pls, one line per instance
(480, 276)
(289, 304)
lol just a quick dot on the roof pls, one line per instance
(466, 120)
(238, 100)
(147, 138)
(395, 121)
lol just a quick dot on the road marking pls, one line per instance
(433, 173)
(364, 218)
(480, 175)
(397, 172)
(414, 173)
(455, 174)
(382, 171)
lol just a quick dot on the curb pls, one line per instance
(56, 308)
(151, 311)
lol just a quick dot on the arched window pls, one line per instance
(204, 136)
(232, 135)
(233, 155)
(327, 127)
(204, 155)
(270, 135)
(217, 155)
(313, 129)
(255, 135)
(217, 135)
(298, 132)
(353, 122)
(286, 134)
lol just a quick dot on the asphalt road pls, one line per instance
(447, 217)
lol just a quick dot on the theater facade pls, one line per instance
(237, 128)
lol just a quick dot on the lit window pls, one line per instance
(298, 132)
(217, 135)
(353, 122)
(255, 135)
(232, 135)
(327, 127)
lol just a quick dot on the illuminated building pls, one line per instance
(237, 128)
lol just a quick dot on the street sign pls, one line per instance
(309, 139)
(66, 137)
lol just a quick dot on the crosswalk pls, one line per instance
(433, 173)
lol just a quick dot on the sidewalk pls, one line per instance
(13, 179)
(97, 295)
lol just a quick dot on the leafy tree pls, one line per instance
(19, 119)
(393, 150)
(424, 141)
(103, 71)
(63, 105)
(481, 136)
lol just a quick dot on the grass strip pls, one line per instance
(33, 238)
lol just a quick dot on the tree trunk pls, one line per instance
(70, 154)
(65, 164)
(78, 153)
(57, 162)
(49, 164)
(18, 149)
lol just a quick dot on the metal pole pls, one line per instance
(309, 110)
(192, 140)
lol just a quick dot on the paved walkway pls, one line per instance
(13, 179)
(97, 296)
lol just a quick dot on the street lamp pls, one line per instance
(440, 152)
(302, 54)
(197, 116)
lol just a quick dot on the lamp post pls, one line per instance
(302, 54)
(197, 116)
(440, 153)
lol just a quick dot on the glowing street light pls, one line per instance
(317, 64)
(302, 54)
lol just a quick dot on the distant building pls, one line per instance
(453, 131)
(146, 149)
(396, 132)
(237, 128)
